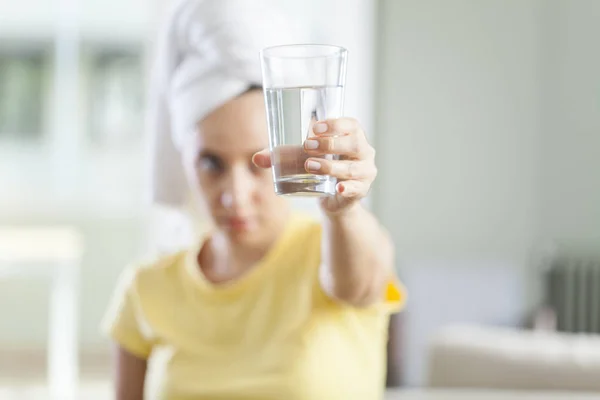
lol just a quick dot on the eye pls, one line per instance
(210, 163)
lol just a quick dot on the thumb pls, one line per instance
(262, 159)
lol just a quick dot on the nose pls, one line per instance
(237, 190)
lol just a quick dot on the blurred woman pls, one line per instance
(269, 303)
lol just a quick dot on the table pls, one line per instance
(53, 252)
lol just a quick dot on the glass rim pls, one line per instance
(334, 51)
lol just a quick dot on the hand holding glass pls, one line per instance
(303, 84)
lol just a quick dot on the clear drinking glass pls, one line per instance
(302, 84)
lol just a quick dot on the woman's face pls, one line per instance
(239, 195)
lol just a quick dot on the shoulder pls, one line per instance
(139, 288)
(153, 273)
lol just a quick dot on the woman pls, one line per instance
(270, 304)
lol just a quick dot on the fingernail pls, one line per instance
(340, 188)
(313, 165)
(311, 144)
(320, 128)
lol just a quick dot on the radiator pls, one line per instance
(573, 293)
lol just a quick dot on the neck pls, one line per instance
(231, 258)
(236, 255)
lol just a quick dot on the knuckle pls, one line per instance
(328, 144)
(352, 170)
(326, 167)
(370, 152)
(374, 171)
(345, 124)
(355, 146)
(351, 121)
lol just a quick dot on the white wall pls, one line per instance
(459, 126)
(570, 192)
(36, 14)
(488, 137)
(130, 22)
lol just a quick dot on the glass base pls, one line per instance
(306, 185)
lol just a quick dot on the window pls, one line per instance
(22, 94)
(115, 83)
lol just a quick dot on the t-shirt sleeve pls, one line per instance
(394, 296)
(123, 321)
(392, 300)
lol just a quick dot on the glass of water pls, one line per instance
(302, 84)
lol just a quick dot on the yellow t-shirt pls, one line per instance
(272, 334)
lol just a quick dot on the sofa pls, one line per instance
(471, 356)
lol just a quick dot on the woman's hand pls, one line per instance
(355, 170)
(357, 253)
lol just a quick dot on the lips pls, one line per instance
(238, 223)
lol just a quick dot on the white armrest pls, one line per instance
(485, 357)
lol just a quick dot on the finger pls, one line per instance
(262, 159)
(348, 145)
(289, 159)
(337, 126)
(352, 189)
(341, 169)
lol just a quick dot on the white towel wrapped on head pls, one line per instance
(208, 54)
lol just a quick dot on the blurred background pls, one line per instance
(486, 120)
